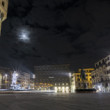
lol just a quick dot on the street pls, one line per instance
(51, 101)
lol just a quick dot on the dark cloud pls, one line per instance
(61, 31)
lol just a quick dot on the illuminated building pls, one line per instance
(23, 79)
(32, 81)
(73, 83)
(53, 77)
(43, 86)
(5, 78)
(20, 81)
(101, 75)
(15, 80)
(79, 83)
(3, 11)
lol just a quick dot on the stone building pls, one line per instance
(73, 83)
(5, 78)
(78, 83)
(101, 75)
(3, 11)
(53, 77)
(23, 80)
(32, 81)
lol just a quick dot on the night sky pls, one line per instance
(75, 32)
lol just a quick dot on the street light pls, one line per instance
(16, 74)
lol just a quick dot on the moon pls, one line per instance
(24, 36)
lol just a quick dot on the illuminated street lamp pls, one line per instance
(16, 74)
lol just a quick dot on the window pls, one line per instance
(78, 75)
(79, 84)
(63, 84)
(78, 79)
(3, 3)
(86, 78)
(2, 16)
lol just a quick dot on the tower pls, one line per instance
(3, 11)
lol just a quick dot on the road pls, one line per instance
(51, 101)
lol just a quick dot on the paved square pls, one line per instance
(49, 101)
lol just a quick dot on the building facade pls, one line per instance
(3, 11)
(23, 79)
(53, 77)
(73, 83)
(78, 82)
(32, 81)
(101, 75)
(5, 78)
